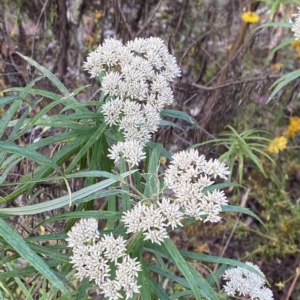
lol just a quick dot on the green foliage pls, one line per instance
(241, 147)
(275, 5)
(285, 79)
(83, 141)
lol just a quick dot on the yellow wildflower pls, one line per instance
(276, 67)
(278, 144)
(296, 45)
(90, 39)
(250, 17)
(99, 14)
(294, 127)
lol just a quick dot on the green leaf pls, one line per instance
(68, 96)
(143, 281)
(8, 99)
(4, 121)
(14, 107)
(103, 215)
(208, 291)
(275, 24)
(147, 279)
(20, 283)
(43, 171)
(219, 260)
(178, 115)
(15, 134)
(29, 153)
(214, 278)
(278, 47)
(167, 273)
(77, 197)
(171, 124)
(51, 251)
(243, 210)
(20, 246)
(283, 81)
(82, 290)
(28, 271)
(87, 146)
(151, 188)
(219, 186)
(182, 266)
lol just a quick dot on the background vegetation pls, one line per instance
(227, 68)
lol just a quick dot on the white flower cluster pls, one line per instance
(153, 221)
(296, 26)
(246, 283)
(137, 77)
(187, 176)
(93, 255)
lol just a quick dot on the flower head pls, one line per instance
(296, 45)
(137, 78)
(188, 175)
(250, 17)
(293, 127)
(276, 145)
(148, 219)
(132, 151)
(93, 257)
(84, 232)
(246, 283)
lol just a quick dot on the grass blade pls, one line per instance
(19, 245)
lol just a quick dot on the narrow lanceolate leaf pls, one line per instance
(19, 245)
(183, 266)
(243, 210)
(29, 153)
(48, 74)
(77, 197)
(151, 176)
(144, 283)
(219, 260)
(283, 81)
(178, 115)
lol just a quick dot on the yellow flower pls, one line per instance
(90, 39)
(278, 144)
(296, 45)
(250, 17)
(294, 127)
(276, 67)
(99, 14)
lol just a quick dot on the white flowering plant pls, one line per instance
(106, 147)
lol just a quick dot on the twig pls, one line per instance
(36, 28)
(242, 80)
(236, 47)
(243, 204)
(150, 18)
(95, 94)
(182, 11)
(133, 188)
(191, 45)
(293, 284)
(124, 19)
